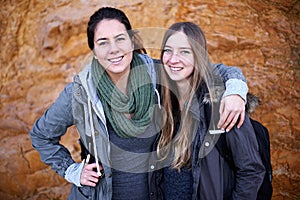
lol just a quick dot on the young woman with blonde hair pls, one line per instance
(191, 94)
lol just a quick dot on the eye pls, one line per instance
(102, 43)
(185, 52)
(120, 39)
(167, 51)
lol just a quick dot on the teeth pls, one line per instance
(175, 68)
(114, 60)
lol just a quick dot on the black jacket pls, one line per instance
(213, 177)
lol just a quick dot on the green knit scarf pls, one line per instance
(139, 102)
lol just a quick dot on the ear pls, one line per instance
(95, 55)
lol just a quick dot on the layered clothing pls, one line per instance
(212, 176)
(79, 104)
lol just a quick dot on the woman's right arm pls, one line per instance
(48, 129)
(232, 107)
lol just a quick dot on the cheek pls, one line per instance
(165, 59)
(190, 69)
(126, 46)
(188, 60)
(100, 53)
(128, 57)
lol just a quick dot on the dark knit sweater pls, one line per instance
(177, 185)
(130, 165)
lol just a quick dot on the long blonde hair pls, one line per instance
(179, 145)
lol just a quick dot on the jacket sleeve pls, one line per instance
(48, 129)
(234, 79)
(247, 162)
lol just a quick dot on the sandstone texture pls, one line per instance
(43, 45)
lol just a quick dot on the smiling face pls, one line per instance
(113, 48)
(178, 58)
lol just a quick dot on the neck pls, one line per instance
(120, 80)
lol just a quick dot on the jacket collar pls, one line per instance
(88, 84)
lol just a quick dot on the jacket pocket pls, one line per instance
(81, 193)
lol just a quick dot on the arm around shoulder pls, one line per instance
(233, 78)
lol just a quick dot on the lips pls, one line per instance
(176, 68)
(116, 60)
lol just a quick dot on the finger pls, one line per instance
(227, 124)
(93, 171)
(92, 184)
(87, 159)
(222, 105)
(222, 122)
(90, 167)
(228, 116)
(223, 115)
(242, 119)
(88, 176)
(88, 171)
(90, 181)
(232, 123)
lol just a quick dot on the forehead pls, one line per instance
(107, 28)
(178, 39)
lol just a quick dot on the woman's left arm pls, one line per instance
(232, 107)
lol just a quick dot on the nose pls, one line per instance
(174, 58)
(113, 48)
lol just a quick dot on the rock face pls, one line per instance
(43, 45)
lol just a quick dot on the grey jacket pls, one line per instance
(213, 177)
(71, 108)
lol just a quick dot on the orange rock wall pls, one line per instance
(43, 45)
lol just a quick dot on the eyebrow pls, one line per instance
(179, 47)
(121, 34)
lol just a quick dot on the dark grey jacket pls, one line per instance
(213, 178)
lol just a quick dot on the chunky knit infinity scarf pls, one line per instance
(139, 102)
